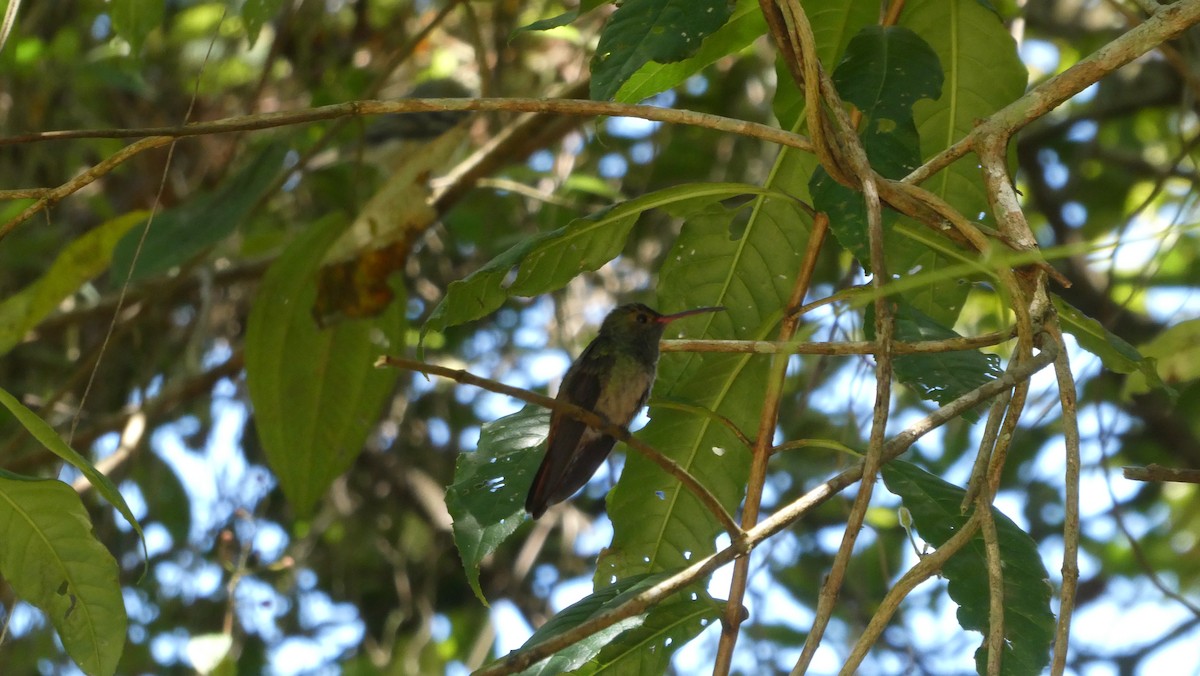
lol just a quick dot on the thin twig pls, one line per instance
(1156, 472)
(1070, 565)
(53, 196)
(844, 348)
(574, 107)
(860, 168)
(763, 450)
(995, 572)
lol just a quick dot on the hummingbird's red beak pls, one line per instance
(666, 319)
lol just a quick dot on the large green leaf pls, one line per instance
(683, 608)
(255, 13)
(550, 260)
(647, 648)
(1028, 622)
(39, 429)
(641, 31)
(52, 560)
(563, 19)
(316, 393)
(134, 19)
(884, 72)
(657, 524)
(1175, 354)
(939, 376)
(745, 25)
(1114, 352)
(983, 74)
(178, 234)
(487, 498)
(84, 258)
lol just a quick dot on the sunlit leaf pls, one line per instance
(1114, 352)
(647, 648)
(82, 259)
(255, 13)
(52, 560)
(316, 393)
(487, 498)
(983, 74)
(1176, 356)
(134, 19)
(1028, 622)
(745, 25)
(550, 260)
(641, 31)
(46, 435)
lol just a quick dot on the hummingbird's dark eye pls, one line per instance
(642, 318)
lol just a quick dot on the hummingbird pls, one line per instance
(612, 377)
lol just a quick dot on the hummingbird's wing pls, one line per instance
(571, 446)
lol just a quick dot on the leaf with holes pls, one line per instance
(602, 600)
(658, 525)
(745, 25)
(487, 498)
(54, 561)
(641, 31)
(39, 429)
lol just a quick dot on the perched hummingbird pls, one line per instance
(612, 377)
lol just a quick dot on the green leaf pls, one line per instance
(1028, 621)
(647, 648)
(1176, 356)
(53, 561)
(563, 19)
(834, 24)
(84, 258)
(134, 19)
(940, 376)
(1114, 352)
(255, 13)
(487, 498)
(641, 31)
(983, 74)
(600, 601)
(177, 235)
(586, 244)
(885, 71)
(550, 260)
(745, 25)
(316, 393)
(658, 525)
(39, 429)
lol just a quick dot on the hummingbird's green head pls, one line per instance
(637, 322)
